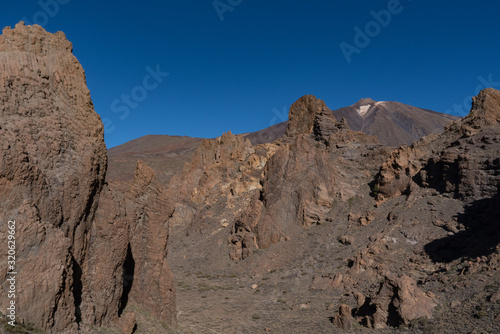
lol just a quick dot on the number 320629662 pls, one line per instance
(11, 261)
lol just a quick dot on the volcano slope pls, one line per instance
(326, 229)
(393, 123)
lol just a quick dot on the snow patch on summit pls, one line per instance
(363, 110)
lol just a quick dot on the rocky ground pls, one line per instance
(401, 253)
(297, 285)
(322, 230)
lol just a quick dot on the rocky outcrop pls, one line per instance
(343, 319)
(307, 226)
(276, 188)
(225, 173)
(303, 113)
(461, 161)
(393, 124)
(398, 302)
(52, 183)
(126, 262)
(53, 162)
(300, 183)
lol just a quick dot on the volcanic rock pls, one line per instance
(52, 167)
(343, 319)
(303, 114)
(73, 239)
(450, 162)
(300, 218)
(393, 124)
(399, 301)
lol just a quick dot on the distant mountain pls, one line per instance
(268, 135)
(393, 123)
(165, 154)
(168, 154)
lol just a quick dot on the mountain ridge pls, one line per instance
(168, 154)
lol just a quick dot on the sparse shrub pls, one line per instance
(183, 286)
(375, 190)
(481, 314)
(422, 324)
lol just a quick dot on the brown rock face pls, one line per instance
(485, 109)
(274, 188)
(314, 166)
(52, 170)
(303, 115)
(298, 216)
(398, 302)
(393, 124)
(52, 167)
(126, 261)
(343, 319)
(463, 160)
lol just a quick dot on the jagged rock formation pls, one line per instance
(52, 172)
(271, 235)
(309, 172)
(398, 302)
(130, 230)
(223, 170)
(277, 187)
(393, 124)
(330, 216)
(462, 161)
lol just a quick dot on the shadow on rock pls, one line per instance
(480, 237)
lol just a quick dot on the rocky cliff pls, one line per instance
(322, 228)
(272, 188)
(326, 219)
(52, 183)
(393, 124)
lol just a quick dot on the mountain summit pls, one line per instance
(393, 123)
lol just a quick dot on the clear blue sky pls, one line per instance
(264, 55)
